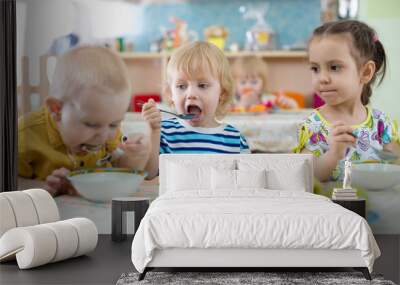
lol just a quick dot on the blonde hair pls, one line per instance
(251, 66)
(196, 58)
(89, 67)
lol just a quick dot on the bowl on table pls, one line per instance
(103, 184)
(375, 176)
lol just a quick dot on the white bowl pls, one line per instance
(375, 176)
(101, 185)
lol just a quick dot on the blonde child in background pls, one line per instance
(199, 82)
(250, 74)
(79, 126)
(346, 59)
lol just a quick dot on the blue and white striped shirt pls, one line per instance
(177, 136)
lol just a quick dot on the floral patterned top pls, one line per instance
(376, 131)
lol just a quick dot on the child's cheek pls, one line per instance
(258, 87)
(83, 133)
(178, 102)
(112, 134)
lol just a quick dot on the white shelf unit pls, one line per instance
(287, 70)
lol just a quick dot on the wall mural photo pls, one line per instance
(149, 117)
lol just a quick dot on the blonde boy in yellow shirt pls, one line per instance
(79, 126)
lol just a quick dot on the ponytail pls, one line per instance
(366, 93)
(379, 57)
(380, 60)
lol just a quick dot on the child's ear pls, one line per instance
(222, 97)
(54, 105)
(367, 71)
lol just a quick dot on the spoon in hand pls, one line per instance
(385, 155)
(180, 116)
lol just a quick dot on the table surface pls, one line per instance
(104, 265)
(266, 132)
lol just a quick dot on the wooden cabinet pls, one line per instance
(287, 70)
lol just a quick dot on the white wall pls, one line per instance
(39, 22)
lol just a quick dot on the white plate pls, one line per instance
(375, 176)
(101, 185)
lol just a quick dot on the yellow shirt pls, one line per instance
(41, 149)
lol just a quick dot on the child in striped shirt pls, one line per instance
(199, 82)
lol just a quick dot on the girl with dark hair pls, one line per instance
(346, 59)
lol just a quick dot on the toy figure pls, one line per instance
(261, 36)
(347, 175)
(174, 38)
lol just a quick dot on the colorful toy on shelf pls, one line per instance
(139, 99)
(257, 108)
(261, 36)
(174, 38)
(123, 45)
(285, 100)
(289, 99)
(279, 101)
(216, 35)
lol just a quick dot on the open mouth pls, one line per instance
(194, 110)
(90, 147)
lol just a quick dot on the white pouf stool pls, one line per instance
(31, 233)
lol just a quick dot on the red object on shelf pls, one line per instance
(139, 99)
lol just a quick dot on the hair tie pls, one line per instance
(375, 38)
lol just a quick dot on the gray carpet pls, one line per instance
(269, 278)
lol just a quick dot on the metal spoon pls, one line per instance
(385, 155)
(180, 116)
